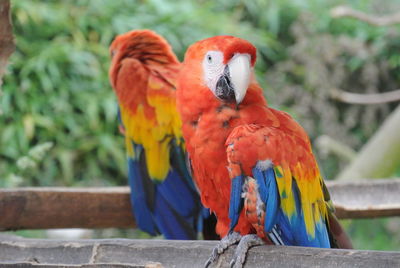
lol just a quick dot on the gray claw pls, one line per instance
(245, 243)
(229, 240)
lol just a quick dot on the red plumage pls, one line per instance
(226, 139)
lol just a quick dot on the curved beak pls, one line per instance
(239, 70)
(233, 83)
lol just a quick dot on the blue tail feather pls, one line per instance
(176, 192)
(141, 210)
(171, 224)
(170, 207)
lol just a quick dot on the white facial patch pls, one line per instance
(213, 68)
(231, 78)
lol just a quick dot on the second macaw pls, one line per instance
(253, 164)
(164, 198)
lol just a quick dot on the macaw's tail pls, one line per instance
(170, 207)
(339, 238)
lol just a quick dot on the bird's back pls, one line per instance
(143, 74)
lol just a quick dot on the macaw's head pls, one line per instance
(222, 65)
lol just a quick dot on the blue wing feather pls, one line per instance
(176, 192)
(269, 194)
(236, 201)
(179, 163)
(170, 207)
(292, 231)
(140, 207)
(171, 224)
(262, 187)
(272, 201)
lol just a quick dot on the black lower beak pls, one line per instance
(224, 89)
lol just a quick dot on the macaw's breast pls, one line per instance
(205, 140)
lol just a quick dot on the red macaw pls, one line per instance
(164, 198)
(253, 164)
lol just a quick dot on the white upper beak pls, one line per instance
(239, 70)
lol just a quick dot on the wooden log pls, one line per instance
(169, 253)
(7, 44)
(45, 208)
(366, 198)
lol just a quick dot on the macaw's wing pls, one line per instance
(143, 73)
(276, 181)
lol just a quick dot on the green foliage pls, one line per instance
(58, 112)
(375, 234)
(57, 88)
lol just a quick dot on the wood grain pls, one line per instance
(170, 253)
(44, 208)
(7, 45)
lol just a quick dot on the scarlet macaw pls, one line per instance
(253, 164)
(164, 198)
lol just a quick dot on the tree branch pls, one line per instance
(7, 44)
(327, 145)
(380, 156)
(356, 98)
(345, 11)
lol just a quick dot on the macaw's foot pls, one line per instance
(245, 243)
(229, 240)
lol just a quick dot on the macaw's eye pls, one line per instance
(112, 53)
(209, 59)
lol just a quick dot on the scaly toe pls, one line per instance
(245, 244)
(229, 240)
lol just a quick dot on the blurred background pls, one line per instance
(58, 113)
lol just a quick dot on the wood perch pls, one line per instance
(171, 253)
(345, 11)
(44, 208)
(365, 199)
(374, 98)
(7, 45)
